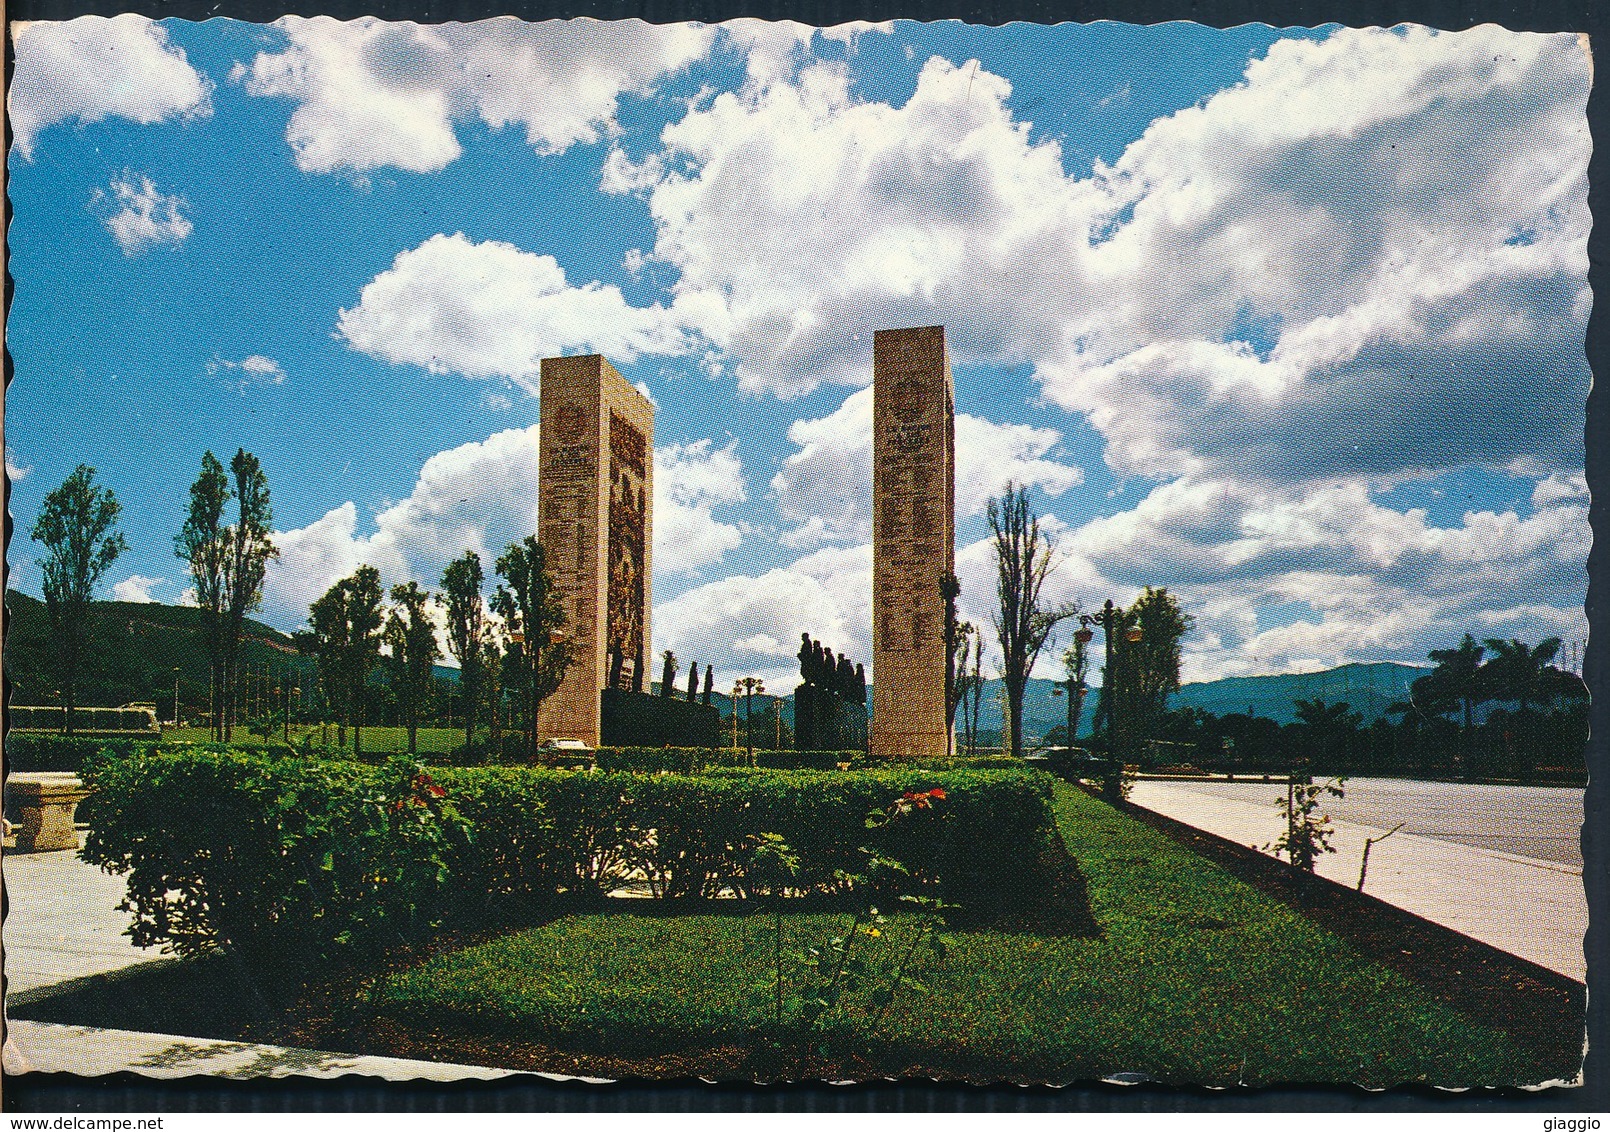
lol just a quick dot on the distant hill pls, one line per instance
(1368, 688)
(133, 648)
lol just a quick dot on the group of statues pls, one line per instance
(830, 705)
(627, 676)
(818, 667)
(668, 679)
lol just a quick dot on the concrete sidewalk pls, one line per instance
(46, 1047)
(64, 925)
(1535, 909)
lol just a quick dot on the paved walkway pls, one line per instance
(1524, 905)
(64, 925)
(45, 1047)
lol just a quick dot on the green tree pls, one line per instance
(1023, 624)
(540, 652)
(466, 631)
(975, 690)
(1329, 730)
(346, 626)
(1458, 678)
(950, 588)
(492, 653)
(76, 525)
(411, 637)
(1146, 669)
(202, 545)
(250, 546)
(1523, 674)
(969, 643)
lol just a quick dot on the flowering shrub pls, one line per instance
(1308, 831)
(826, 975)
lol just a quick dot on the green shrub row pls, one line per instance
(691, 760)
(291, 859)
(36, 751)
(32, 751)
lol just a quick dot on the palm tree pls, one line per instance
(1329, 727)
(1459, 678)
(1523, 674)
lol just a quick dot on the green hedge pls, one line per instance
(291, 859)
(33, 751)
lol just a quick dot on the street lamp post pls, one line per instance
(1108, 619)
(1075, 662)
(748, 686)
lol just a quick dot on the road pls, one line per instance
(1542, 822)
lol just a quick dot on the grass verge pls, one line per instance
(1197, 977)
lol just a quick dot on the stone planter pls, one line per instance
(45, 805)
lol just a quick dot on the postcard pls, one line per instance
(753, 552)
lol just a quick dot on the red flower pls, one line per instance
(937, 793)
(436, 791)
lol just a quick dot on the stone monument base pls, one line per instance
(637, 719)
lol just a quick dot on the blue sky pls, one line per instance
(1289, 322)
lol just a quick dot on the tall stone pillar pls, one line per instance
(913, 538)
(596, 521)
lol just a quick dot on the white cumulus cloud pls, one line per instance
(94, 67)
(136, 587)
(689, 481)
(371, 93)
(492, 310)
(254, 369)
(138, 216)
(480, 496)
(824, 488)
(1287, 280)
(750, 625)
(1359, 580)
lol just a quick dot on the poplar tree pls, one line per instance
(202, 546)
(411, 637)
(76, 526)
(1023, 625)
(250, 547)
(466, 631)
(532, 608)
(346, 626)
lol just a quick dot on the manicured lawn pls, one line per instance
(1196, 977)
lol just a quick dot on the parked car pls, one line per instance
(566, 753)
